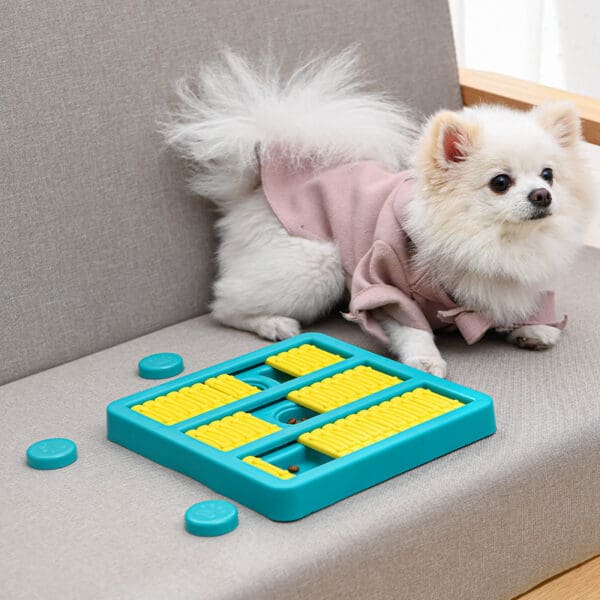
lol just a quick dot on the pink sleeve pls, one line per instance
(379, 281)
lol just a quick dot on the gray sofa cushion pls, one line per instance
(99, 240)
(488, 521)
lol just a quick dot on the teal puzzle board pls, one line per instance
(301, 424)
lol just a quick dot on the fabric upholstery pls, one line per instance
(487, 521)
(99, 240)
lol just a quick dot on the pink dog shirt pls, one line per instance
(360, 206)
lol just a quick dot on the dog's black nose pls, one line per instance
(540, 197)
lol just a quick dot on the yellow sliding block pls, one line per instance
(232, 431)
(259, 463)
(377, 423)
(227, 384)
(302, 360)
(342, 388)
(196, 399)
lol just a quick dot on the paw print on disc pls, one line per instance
(211, 518)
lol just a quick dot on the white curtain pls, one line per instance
(553, 42)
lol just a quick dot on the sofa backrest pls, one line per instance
(100, 241)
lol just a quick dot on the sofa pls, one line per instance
(107, 257)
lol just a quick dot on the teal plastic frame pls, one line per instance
(321, 480)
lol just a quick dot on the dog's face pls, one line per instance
(514, 171)
(503, 191)
(500, 165)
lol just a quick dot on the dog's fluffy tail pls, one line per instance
(232, 113)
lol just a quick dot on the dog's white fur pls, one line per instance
(482, 248)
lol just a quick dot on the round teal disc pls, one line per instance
(211, 517)
(53, 453)
(160, 366)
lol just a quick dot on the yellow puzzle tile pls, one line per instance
(302, 360)
(194, 400)
(259, 463)
(342, 388)
(233, 431)
(377, 423)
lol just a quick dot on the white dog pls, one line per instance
(313, 205)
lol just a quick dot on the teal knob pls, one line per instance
(211, 518)
(53, 453)
(160, 366)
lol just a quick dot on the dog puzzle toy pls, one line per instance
(301, 424)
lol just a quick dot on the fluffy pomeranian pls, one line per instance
(315, 207)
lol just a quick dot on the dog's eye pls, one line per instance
(547, 175)
(500, 183)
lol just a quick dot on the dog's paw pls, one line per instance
(435, 365)
(534, 337)
(277, 328)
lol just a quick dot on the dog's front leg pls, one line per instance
(413, 347)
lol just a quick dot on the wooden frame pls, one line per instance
(483, 87)
(582, 581)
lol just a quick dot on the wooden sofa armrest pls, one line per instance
(483, 87)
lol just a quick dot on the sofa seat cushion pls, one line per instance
(487, 521)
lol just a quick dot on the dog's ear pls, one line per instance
(452, 138)
(561, 120)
